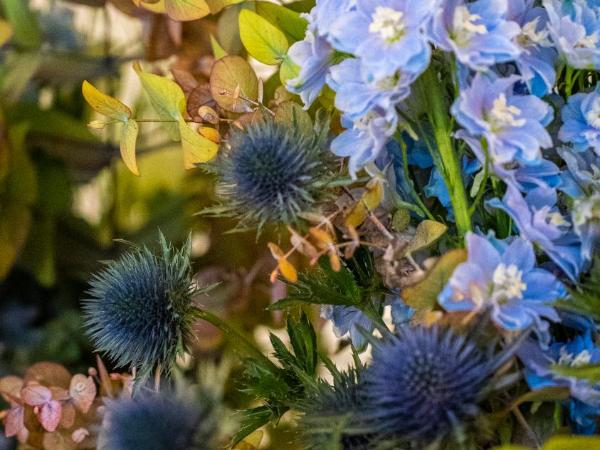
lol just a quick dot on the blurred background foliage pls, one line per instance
(66, 199)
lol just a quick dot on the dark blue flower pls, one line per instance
(158, 422)
(423, 382)
(140, 309)
(271, 171)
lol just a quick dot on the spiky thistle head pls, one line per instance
(423, 382)
(271, 171)
(139, 311)
(329, 414)
(156, 421)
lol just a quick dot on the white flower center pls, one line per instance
(502, 114)
(508, 281)
(530, 36)
(588, 41)
(569, 359)
(464, 26)
(388, 24)
(593, 115)
(364, 122)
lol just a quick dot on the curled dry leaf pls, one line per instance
(35, 394)
(82, 392)
(79, 435)
(10, 387)
(14, 421)
(48, 374)
(302, 245)
(50, 414)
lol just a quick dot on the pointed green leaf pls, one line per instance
(263, 40)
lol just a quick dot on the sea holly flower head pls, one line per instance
(575, 30)
(581, 121)
(359, 91)
(537, 58)
(140, 310)
(423, 382)
(507, 282)
(512, 125)
(539, 220)
(387, 35)
(365, 137)
(478, 33)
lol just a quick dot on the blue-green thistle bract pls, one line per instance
(270, 171)
(139, 311)
(329, 415)
(160, 421)
(423, 382)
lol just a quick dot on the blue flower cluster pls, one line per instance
(523, 108)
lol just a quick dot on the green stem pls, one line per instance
(482, 186)
(451, 169)
(569, 81)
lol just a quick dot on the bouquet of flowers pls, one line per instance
(428, 174)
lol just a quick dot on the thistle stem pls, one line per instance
(449, 161)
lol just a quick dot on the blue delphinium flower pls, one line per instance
(582, 176)
(269, 172)
(159, 421)
(349, 320)
(478, 33)
(326, 12)
(423, 382)
(574, 28)
(436, 187)
(539, 364)
(387, 35)
(140, 311)
(537, 58)
(358, 91)
(581, 121)
(539, 220)
(364, 138)
(314, 56)
(512, 125)
(507, 282)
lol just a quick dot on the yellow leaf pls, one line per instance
(105, 104)
(324, 239)
(573, 443)
(276, 251)
(423, 295)
(287, 270)
(210, 133)
(155, 6)
(6, 32)
(196, 148)
(262, 39)
(370, 200)
(233, 84)
(183, 10)
(251, 442)
(127, 145)
(428, 232)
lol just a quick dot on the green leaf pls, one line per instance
(288, 70)
(25, 25)
(166, 97)
(572, 443)
(196, 148)
(250, 421)
(589, 372)
(16, 72)
(263, 41)
(218, 51)
(303, 340)
(233, 84)
(288, 21)
(585, 299)
(217, 5)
